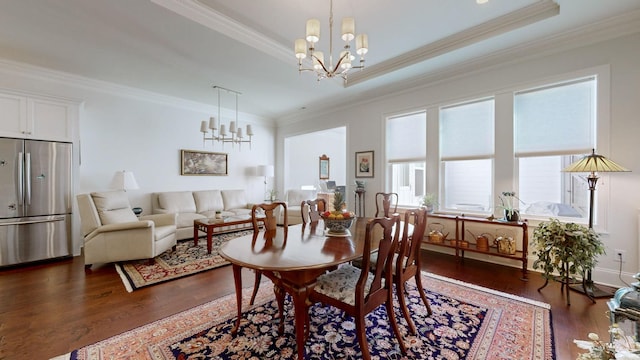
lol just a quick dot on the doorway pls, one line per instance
(302, 155)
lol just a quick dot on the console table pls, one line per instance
(460, 237)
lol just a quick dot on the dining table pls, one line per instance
(293, 257)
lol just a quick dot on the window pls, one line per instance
(554, 125)
(406, 146)
(466, 152)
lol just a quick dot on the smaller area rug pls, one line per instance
(468, 322)
(187, 259)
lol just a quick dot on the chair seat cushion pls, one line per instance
(340, 284)
(374, 260)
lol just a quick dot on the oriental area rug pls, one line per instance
(468, 322)
(187, 259)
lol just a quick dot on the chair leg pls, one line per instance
(362, 336)
(394, 324)
(403, 306)
(423, 295)
(256, 285)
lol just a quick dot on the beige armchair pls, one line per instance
(112, 232)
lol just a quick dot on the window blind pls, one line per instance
(467, 131)
(407, 138)
(556, 119)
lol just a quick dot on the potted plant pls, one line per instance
(272, 194)
(430, 201)
(508, 202)
(565, 249)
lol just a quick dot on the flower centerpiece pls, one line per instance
(339, 220)
(623, 346)
(508, 202)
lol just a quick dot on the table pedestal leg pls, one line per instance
(237, 277)
(300, 307)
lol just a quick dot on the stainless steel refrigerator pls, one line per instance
(35, 200)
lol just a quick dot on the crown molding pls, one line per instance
(516, 19)
(614, 27)
(61, 78)
(204, 15)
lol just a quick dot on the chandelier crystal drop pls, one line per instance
(219, 130)
(307, 47)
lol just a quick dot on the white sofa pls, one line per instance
(294, 198)
(192, 205)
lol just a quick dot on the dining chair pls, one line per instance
(310, 210)
(407, 261)
(358, 292)
(267, 214)
(385, 202)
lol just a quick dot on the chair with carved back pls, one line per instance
(311, 209)
(358, 292)
(407, 261)
(386, 204)
(267, 214)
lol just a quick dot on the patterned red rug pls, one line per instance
(468, 322)
(187, 259)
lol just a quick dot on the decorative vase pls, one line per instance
(512, 215)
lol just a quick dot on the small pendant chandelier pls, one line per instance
(306, 47)
(219, 130)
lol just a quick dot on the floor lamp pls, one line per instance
(266, 171)
(593, 164)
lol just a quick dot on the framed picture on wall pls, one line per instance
(324, 167)
(194, 162)
(364, 164)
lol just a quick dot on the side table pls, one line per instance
(360, 202)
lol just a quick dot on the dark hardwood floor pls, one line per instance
(52, 308)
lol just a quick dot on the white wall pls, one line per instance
(126, 129)
(303, 153)
(621, 55)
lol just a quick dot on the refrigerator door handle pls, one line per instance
(20, 177)
(28, 178)
(36, 221)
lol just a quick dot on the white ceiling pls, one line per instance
(182, 47)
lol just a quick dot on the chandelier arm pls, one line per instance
(335, 69)
(321, 63)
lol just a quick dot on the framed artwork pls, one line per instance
(194, 162)
(364, 164)
(324, 167)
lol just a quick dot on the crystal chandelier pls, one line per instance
(235, 136)
(306, 47)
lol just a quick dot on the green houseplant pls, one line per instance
(565, 249)
(508, 202)
(430, 201)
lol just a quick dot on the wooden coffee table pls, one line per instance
(209, 225)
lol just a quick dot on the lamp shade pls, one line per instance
(595, 163)
(265, 170)
(124, 180)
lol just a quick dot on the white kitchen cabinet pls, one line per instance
(34, 117)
